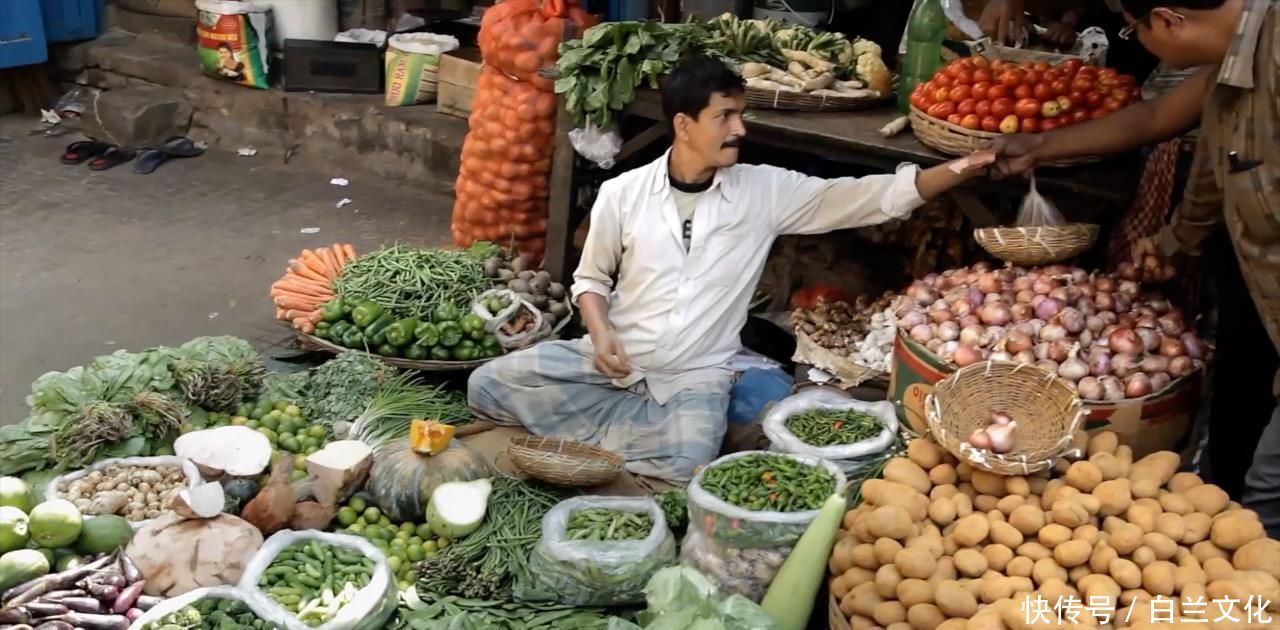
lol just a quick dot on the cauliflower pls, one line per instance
(865, 46)
(870, 68)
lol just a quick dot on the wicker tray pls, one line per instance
(313, 342)
(1047, 412)
(950, 139)
(799, 101)
(564, 462)
(1040, 245)
(835, 619)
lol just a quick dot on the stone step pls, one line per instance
(181, 30)
(345, 133)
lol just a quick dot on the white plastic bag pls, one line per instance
(189, 472)
(739, 549)
(369, 609)
(596, 144)
(532, 334)
(849, 457)
(362, 36)
(491, 319)
(600, 573)
(254, 601)
(1036, 210)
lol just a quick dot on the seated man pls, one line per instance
(686, 238)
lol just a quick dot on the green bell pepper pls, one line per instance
(338, 329)
(471, 323)
(322, 330)
(490, 342)
(354, 338)
(466, 350)
(387, 350)
(445, 313)
(477, 335)
(332, 310)
(450, 334)
(376, 332)
(366, 312)
(400, 333)
(427, 334)
(440, 353)
(416, 352)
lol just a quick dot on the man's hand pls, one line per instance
(1015, 154)
(1061, 34)
(611, 357)
(1002, 20)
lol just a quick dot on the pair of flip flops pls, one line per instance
(102, 156)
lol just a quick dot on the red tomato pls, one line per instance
(1033, 77)
(1126, 80)
(1112, 104)
(1081, 84)
(998, 91)
(990, 123)
(917, 101)
(1053, 74)
(1098, 113)
(954, 69)
(1042, 91)
(954, 119)
(964, 77)
(1026, 108)
(981, 88)
(1062, 121)
(1107, 82)
(1023, 91)
(941, 94)
(942, 79)
(966, 107)
(982, 108)
(981, 75)
(1030, 125)
(1048, 124)
(1079, 115)
(1078, 99)
(1071, 65)
(1060, 87)
(998, 64)
(1009, 124)
(981, 62)
(942, 109)
(971, 121)
(1094, 99)
(1027, 65)
(1001, 107)
(1088, 72)
(1041, 65)
(1107, 72)
(1010, 78)
(1120, 94)
(959, 93)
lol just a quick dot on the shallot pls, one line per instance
(994, 314)
(1099, 362)
(971, 335)
(921, 333)
(1072, 320)
(1052, 332)
(980, 439)
(948, 331)
(1137, 385)
(966, 355)
(1171, 347)
(1112, 388)
(1150, 338)
(1124, 364)
(1073, 368)
(1122, 340)
(1048, 307)
(1001, 437)
(1159, 381)
(1154, 363)
(1180, 366)
(1090, 388)
(1025, 357)
(1001, 418)
(1191, 345)
(1017, 341)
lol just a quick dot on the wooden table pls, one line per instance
(1092, 192)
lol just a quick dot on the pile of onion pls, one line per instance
(1100, 332)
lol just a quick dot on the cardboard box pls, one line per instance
(459, 73)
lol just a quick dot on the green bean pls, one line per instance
(413, 281)
(312, 568)
(600, 524)
(829, 427)
(769, 482)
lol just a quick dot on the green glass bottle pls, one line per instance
(925, 30)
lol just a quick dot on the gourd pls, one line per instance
(401, 481)
(428, 437)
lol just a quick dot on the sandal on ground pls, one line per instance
(111, 158)
(79, 152)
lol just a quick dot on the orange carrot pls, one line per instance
(302, 295)
(340, 255)
(303, 270)
(315, 317)
(302, 324)
(349, 251)
(294, 303)
(331, 264)
(293, 278)
(314, 263)
(280, 313)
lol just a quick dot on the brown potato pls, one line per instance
(1143, 556)
(1075, 573)
(857, 575)
(1183, 481)
(997, 556)
(865, 598)
(1170, 524)
(1053, 534)
(1142, 516)
(886, 581)
(985, 619)
(889, 521)
(1157, 578)
(1153, 471)
(858, 622)
(964, 505)
(942, 491)
(1020, 566)
(889, 612)
(1033, 550)
(985, 503)
(1216, 569)
(864, 556)
(1176, 503)
(1235, 529)
(1113, 496)
(1124, 455)
(1100, 559)
(988, 483)
(916, 562)
(1087, 533)
(1028, 519)
(1102, 442)
(1055, 590)
(942, 511)
(925, 617)
(924, 452)
(964, 471)
(907, 473)
(1083, 476)
(1125, 538)
(1162, 545)
(885, 492)
(1204, 550)
(970, 563)
(953, 624)
(1005, 534)
(914, 591)
(943, 474)
(885, 549)
(1017, 485)
(1069, 513)
(946, 570)
(954, 600)
(1207, 498)
(1107, 464)
(838, 587)
(1072, 553)
(1197, 527)
(1050, 492)
(1126, 573)
(1047, 569)
(1262, 554)
(1184, 576)
(971, 530)
(1010, 503)
(1098, 586)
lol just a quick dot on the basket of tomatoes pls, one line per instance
(974, 99)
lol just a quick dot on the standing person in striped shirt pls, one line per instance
(1235, 179)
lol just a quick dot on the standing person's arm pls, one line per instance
(1139, 124)
(593, 283)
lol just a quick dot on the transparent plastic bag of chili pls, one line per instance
(521, 37)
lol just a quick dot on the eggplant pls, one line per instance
(45, 609)
(147, 602)
(33, 589)
(113, 578)
(53, 596)
(82, 604)
(129, 569)
(128, 595)
(104, 592)
(55, 624)
(14, 616)
(90, 621)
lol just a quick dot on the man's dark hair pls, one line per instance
(1140, 8)
(689, 87)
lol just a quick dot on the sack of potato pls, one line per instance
(938, 544)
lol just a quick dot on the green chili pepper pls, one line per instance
(445, 313)
(400, 333)
(427, 334)
(450, 334)
(441, 353)
(365, 313)
(332, 310)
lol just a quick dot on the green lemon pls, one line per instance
(442, 542)
(385, 522)
(372, 514)
(281, 405)
(415, 553)
(357, 503)
(415, 540)
(317, 431)
(240, 420)
(346, 516)
(270, 423)
(429, 547)
(407, 527)
(424, 532)
(356, 528)
(292, 410)
(252, 424)
(298, 475)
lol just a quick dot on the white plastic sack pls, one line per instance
(847, 456)
(189, 472)
(493, 320)
(739, 549)
(369, 609)
(600, 573)
(1036, 210)
(254, 601)
(596, 144)
(362, 36)
(530, 335)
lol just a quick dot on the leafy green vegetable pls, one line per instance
(680, 597)
(341, 388)
(291, 386)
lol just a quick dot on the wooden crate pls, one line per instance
(459, 73)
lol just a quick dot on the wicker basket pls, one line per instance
(800, 101)
(564, 462)
(835, 619)
(1038, 245)
(944, 137)
(1047, 412)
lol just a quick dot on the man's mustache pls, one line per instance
(732, 143)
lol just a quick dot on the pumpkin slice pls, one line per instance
(428, 437)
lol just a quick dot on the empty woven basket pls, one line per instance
(564, 462)
(1047, 412)
(1038, 245)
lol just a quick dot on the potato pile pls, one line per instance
(939, 544)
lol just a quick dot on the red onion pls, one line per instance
(1094, 323)
(1017, 341)
(1086, 306)
(989, 283)
(1024, 296)
(1129, 288)
(1124, 364)
(1112, 388)
(1171, 347)
(992, 335)
(1100, 363)
(969, 320)
(948, 331)
(1180, 366)
(965, 355)
(1059, 350)
(1154, 363)
(1079, 276)
(1020, 312)
(960, 307)
(1105, 284)
(940, 315)
(1108, 317)
(982, 265)
(1037, 300)
(1025, 357)
(911, 320)
(933, 345)
(1071, 319)
(1124, 340)
(1150, 338)
(1001, 418)
(1048, 365)
(1137, 385)
(1087, 290)
(1128, 271)
(1159, 305)
(1152, 268)
(1073, 368)
(931, 279)
(921, 333)
(979, 439)
(1055, 270)
(1048, 307)
(1041, 285)
(1060, 294)
(1052, 332)
(994, 314)
(971, 335)
(1041, 350)
(948, 348)
(1191, 345)
(1104, 302)
(923, 295)
(1090, 388)
(1022, 283)
(1159, 381)
(1123, 302)
(994, 298)
(1171, 323)
(975, 298)
(1085, 338)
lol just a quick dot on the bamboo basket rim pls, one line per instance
(315, 343)
(926, 129)
(1030, 245)
(562, 461)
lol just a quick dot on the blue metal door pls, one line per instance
(71, 20)
(21, 34)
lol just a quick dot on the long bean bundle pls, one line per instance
(828, 427)
(413, 281)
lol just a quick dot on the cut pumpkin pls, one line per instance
(428, 437)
